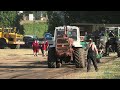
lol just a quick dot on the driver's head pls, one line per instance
(90, 40)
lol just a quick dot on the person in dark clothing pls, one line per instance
(41, 48)
(114, 45)
(91, 55)
(107, 47)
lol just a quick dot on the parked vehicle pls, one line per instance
(28, 39)
(49, 38)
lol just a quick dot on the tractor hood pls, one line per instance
(77, 44)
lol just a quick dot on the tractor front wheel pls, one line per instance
(79, 58)
(118, 49)
(51, 58)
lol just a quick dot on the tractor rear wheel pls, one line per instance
(79, 58)
(51, 58)
(118, 49)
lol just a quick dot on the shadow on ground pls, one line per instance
(32, 54)
(37, 64)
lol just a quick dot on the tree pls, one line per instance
(93, 16)
(57, 18)
(54, 20)
(10, 19)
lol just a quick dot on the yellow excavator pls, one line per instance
(10, 38)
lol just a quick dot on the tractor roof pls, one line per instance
(62, 27)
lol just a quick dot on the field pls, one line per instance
(21, 64)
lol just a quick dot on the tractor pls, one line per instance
(114, 36)
(10, 38)
(111, 34)
(66, 48)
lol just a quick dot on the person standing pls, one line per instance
(43, 48)
(35, 46)
(107, 47)
(46, 44)
(91, 55)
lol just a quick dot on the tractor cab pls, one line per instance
(114, 37)
(113, 31)
(72, 32)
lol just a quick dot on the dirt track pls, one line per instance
(21, 64)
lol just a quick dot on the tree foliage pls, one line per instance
(11, 19)
(54, 20)
(7, 18)
(106, 17)
(93, 16)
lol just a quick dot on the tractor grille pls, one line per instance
(62, 41)
(62, 44)
(62, 47)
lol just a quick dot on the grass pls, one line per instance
(107, 70)
(111, 70)
(35, 28)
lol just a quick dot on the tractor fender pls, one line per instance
(51, 46)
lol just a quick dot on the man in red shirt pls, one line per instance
(46, 44)
(35, 46)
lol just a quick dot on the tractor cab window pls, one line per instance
(111, 33)
(0, 29)
(12, 30)
(119, 32)
(72, 34)
(116, 31)
(6, 30)
(60, 32)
